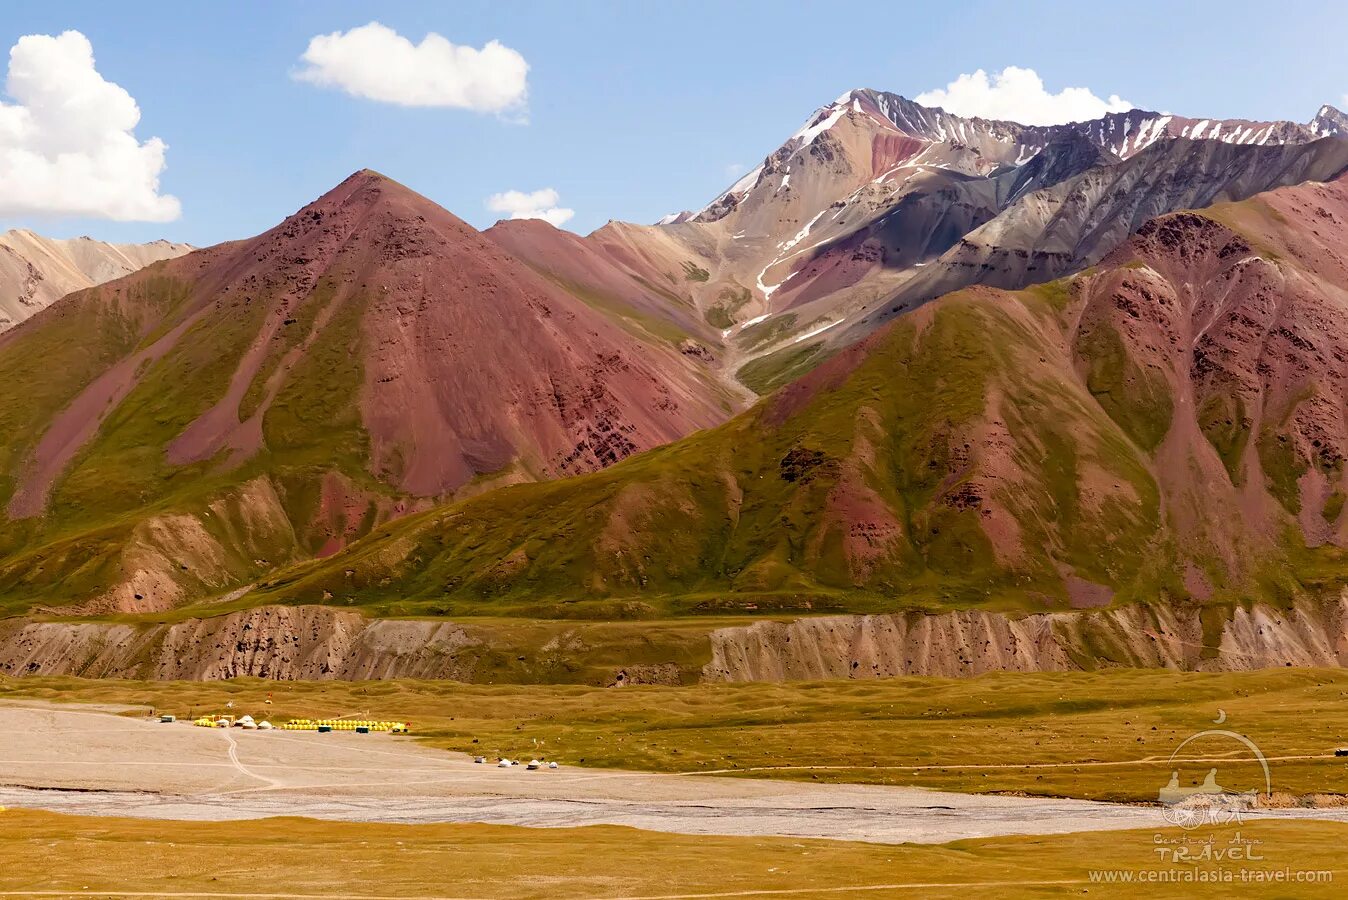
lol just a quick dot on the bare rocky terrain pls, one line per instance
(36, 271)
(877, 204)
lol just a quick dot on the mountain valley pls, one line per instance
(1018, 370)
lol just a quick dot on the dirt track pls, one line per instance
(91, 762)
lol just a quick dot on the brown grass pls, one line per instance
(100, 857)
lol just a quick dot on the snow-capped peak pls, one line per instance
(823, 119)
(1329, 122)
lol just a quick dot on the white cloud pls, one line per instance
(1019, 95)
(67, 143)
(735, 170)
(541, 204)
(375, 62)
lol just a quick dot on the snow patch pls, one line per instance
(738, 189)
(744, 184)
(819, 123)
(809, 334)
(804, 232)
(785, 249)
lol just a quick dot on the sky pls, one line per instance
(576, 111)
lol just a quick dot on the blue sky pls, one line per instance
(634, 109)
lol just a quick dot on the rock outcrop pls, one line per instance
(323, 643)
(971, 642)
(281, 643)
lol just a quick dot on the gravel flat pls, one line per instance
(90, 762)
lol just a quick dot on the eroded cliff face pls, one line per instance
(973, 642)
(282, 643)
(322, 643)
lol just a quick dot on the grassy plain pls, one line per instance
(1106, 735)
(45, 854)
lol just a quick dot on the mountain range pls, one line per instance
(36, 271)
(1166, 425)
(877, 204)
(912, 361)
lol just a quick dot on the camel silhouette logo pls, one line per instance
(1210, 803)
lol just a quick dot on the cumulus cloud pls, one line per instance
(541, 204)
(375, 62)
(1019, 95)
(67, 142)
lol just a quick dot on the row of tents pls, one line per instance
(361, 726)
(230, 721)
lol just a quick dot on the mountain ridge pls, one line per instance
(1120, 133)
(36, 271)
(868, 207)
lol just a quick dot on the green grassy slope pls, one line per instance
(863, 482)
(121, 489)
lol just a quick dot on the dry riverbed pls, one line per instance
(91, 762)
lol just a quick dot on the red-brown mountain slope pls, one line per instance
(372, 337)
(1166, 427)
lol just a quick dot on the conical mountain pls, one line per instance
(270, 399)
